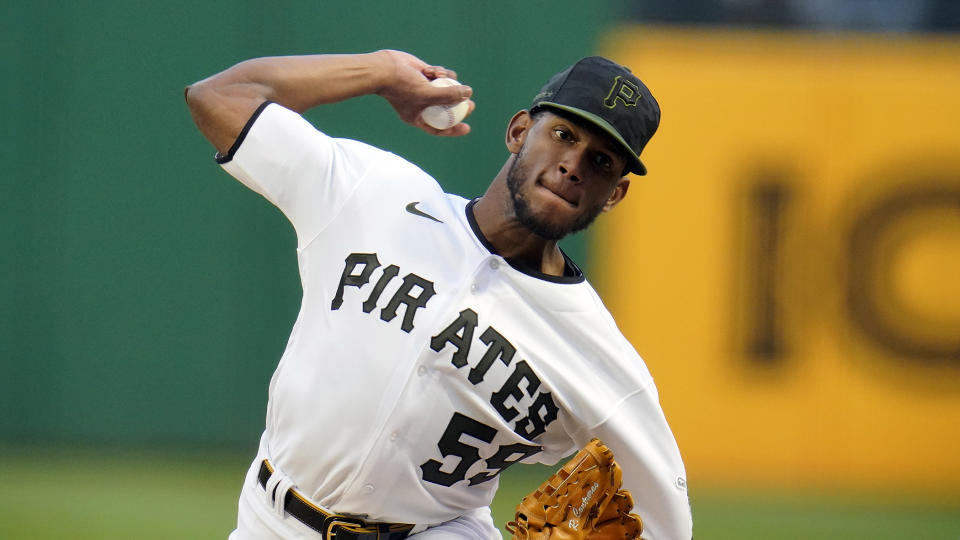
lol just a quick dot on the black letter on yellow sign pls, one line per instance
(873, 305)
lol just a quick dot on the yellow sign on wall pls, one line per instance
(790, 267)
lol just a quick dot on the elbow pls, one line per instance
(202, 102)
(220, 107)
(195, 96)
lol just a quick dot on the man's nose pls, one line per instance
(571, 165)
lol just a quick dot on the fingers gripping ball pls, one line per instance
(445, 116)
(583, 500)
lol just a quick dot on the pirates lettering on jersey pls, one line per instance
(357, 271)
(539, 415)
(460, 335)
(522, 383)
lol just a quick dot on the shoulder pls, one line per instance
(600, 340)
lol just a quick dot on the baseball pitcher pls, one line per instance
(440, 339)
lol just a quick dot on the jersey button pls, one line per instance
(421, 371)
(369, 488)
(473, 288)
(494, 264)
(394, 436)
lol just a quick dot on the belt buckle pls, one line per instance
(355, 527)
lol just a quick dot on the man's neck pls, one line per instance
(499, 224)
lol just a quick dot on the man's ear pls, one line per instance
(517, 131)
(619, 192)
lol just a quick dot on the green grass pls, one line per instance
(729, 516)
(86, 495)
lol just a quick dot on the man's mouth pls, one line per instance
(569, 198)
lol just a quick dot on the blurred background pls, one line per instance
(788, 269)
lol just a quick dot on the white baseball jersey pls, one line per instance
(422, 363)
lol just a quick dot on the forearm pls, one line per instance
(302, 82)
(221, 104)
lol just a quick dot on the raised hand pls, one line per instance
(407, 88)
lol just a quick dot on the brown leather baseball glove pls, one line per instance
(583, 500)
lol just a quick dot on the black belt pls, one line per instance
(333, 526)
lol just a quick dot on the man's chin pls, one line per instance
(535, 205)
(542, 227)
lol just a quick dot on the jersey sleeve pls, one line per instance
(653, 471)
(305, 173)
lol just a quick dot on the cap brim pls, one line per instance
(636, 166)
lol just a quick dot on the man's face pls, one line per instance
(564, 176)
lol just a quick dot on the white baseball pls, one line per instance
(445, 116)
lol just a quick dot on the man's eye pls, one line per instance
(562, 134)
(603, 161)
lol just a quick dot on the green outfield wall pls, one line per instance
(146, 296)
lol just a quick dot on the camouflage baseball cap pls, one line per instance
(608, 96)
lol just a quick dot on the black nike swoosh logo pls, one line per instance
(412, 208)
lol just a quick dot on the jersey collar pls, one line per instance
(571, 272)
